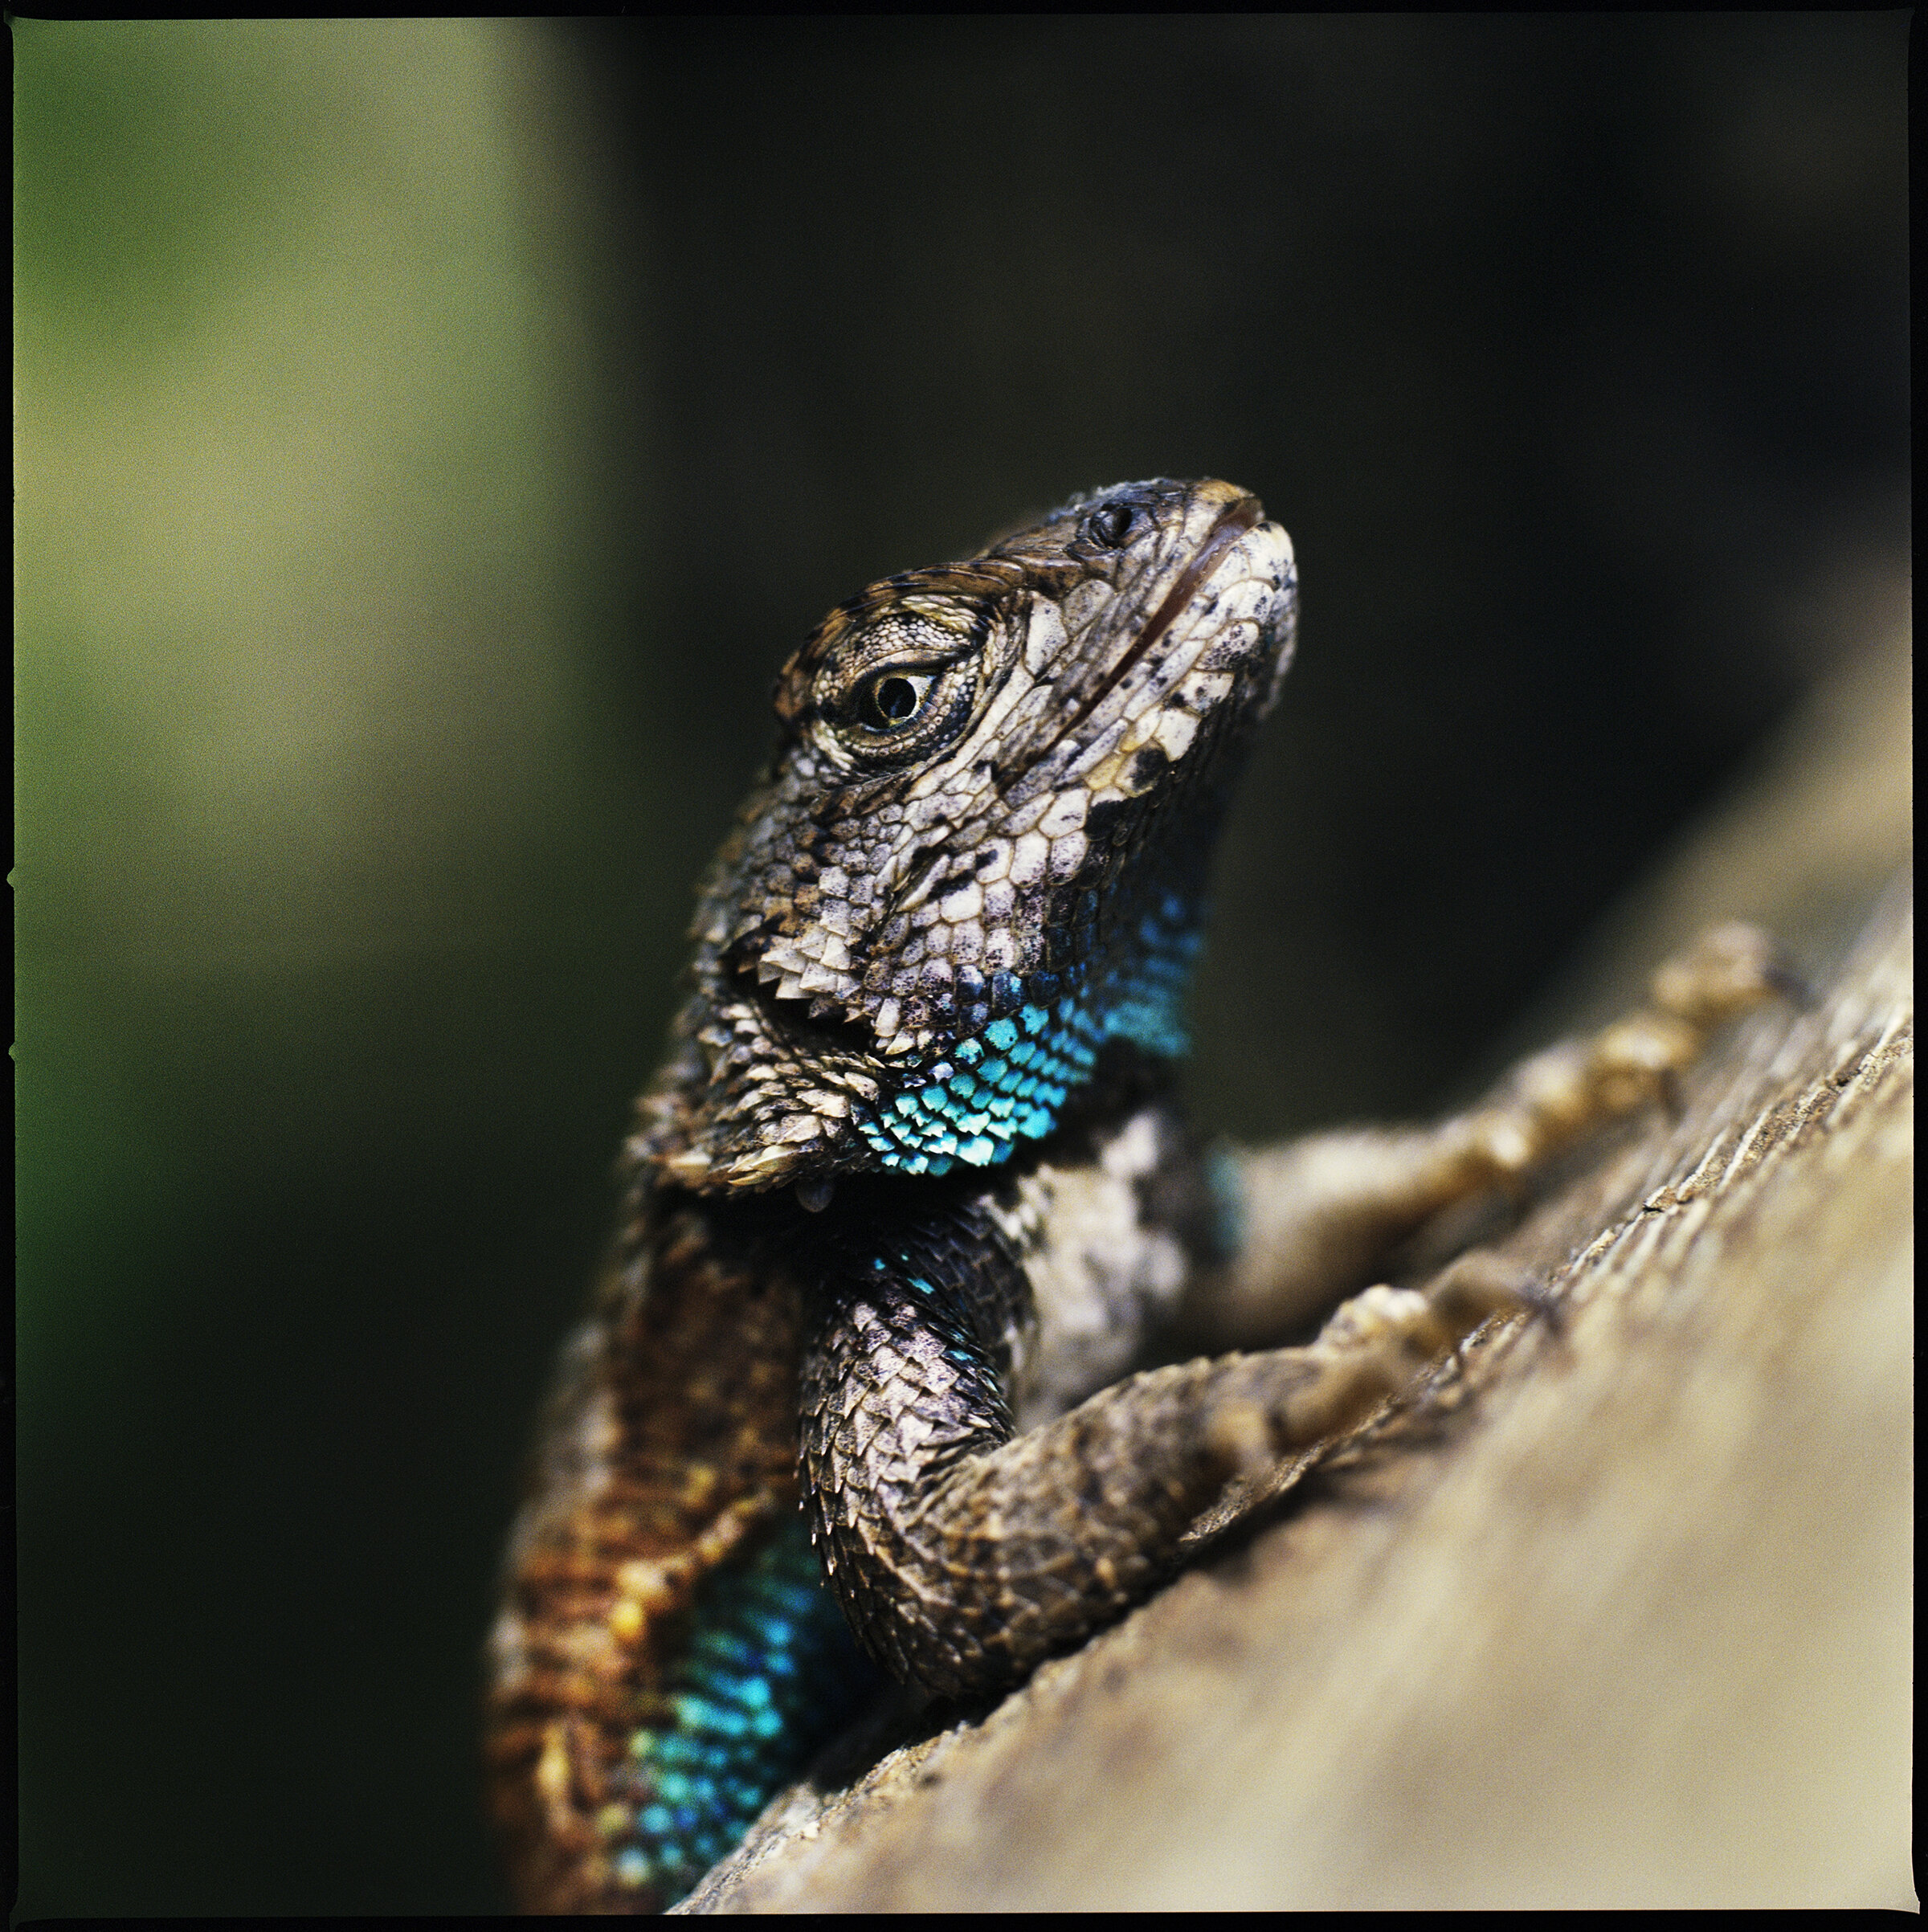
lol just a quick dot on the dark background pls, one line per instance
(1572, 351)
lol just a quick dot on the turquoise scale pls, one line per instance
(770, 1674)
(1005, 1084)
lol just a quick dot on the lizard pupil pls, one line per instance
(894, 700)
(1110, 527)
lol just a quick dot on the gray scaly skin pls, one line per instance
(912, 1186)
(946, 950)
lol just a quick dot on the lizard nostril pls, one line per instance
(1108, 527)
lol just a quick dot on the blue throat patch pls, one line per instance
(1007, 1082)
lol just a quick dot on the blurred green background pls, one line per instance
(432, 436)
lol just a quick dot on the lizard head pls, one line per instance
(979, 851)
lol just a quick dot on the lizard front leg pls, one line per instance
(963, 1556)
(1316, 1217)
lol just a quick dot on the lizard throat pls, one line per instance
(979, 1100)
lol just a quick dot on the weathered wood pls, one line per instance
(1615, 1613)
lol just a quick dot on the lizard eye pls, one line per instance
(890, 700)
(1108, 527)
(903, 688)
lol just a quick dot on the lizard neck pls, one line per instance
(1126, 967)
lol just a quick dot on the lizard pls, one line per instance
(913, 1189)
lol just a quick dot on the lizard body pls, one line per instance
(912, 1190)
